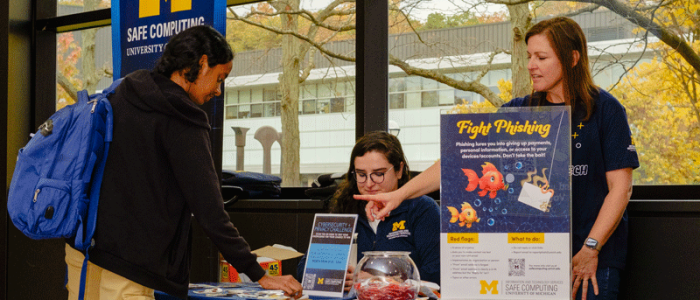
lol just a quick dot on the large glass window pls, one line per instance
(450, 45)
(322, 103)
(69, 7)
(72, 65)
(325, 101)
(397, 101)
(443, 40)
(337, 105)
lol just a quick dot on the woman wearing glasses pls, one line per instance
(378, 165)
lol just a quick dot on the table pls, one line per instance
(231, 291)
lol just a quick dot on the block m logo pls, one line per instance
(399, 225)
(486, 287)
(149, 8)
(320, 281)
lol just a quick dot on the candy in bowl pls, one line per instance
(386, 275)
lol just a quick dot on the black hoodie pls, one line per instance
(159, 173)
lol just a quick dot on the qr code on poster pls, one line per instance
(309, 281)
(517, 267)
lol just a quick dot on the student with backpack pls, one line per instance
(159, 173)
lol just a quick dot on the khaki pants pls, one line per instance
(100, 283)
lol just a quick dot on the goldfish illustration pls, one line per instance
(491, 182)
(466, 217)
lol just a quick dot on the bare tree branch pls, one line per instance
(689, 81)
(310, 66)
(663, 33)
(318, 22)
(323, 15)
(330, 10)
(67, 86)
(106, 71)
(302, 37)
(508, 2)
(588, 9)
(473, 86)
(626, 69)
(327, 12)
(396, 8)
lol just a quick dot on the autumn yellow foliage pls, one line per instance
(661, 98)
(67, 54)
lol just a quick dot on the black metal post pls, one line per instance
(372, 80)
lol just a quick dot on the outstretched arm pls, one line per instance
(287, 283)
(381, 205)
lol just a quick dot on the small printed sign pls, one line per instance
(329, 253)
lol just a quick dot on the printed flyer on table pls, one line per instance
(505, 204)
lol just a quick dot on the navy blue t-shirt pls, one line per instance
(601, 144)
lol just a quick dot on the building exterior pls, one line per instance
(326, 99)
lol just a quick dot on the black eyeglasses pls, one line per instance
(376, 177)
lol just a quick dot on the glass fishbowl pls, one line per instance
(386, 275)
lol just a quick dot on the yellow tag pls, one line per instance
(526, 238)
(462, 238)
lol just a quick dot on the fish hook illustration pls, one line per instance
(544, 188)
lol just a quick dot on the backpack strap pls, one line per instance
(83, 277)
(85, 241)
(91, 221)
(83, 96)
(97, 177)
(91, 216)
(110, 90)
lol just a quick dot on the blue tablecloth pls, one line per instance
(232, 290)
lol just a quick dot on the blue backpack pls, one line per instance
(55, 187)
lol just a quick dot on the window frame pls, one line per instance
(44, 39)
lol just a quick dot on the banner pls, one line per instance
(329, 253)
(141, 28)
(505, 202)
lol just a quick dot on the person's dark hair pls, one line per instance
(382, 142)
(185, 49)
(566, 36)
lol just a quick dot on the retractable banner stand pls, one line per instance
(506, 204)
(141, 28)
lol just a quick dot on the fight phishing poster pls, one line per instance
(505, 204)
(328, 255)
